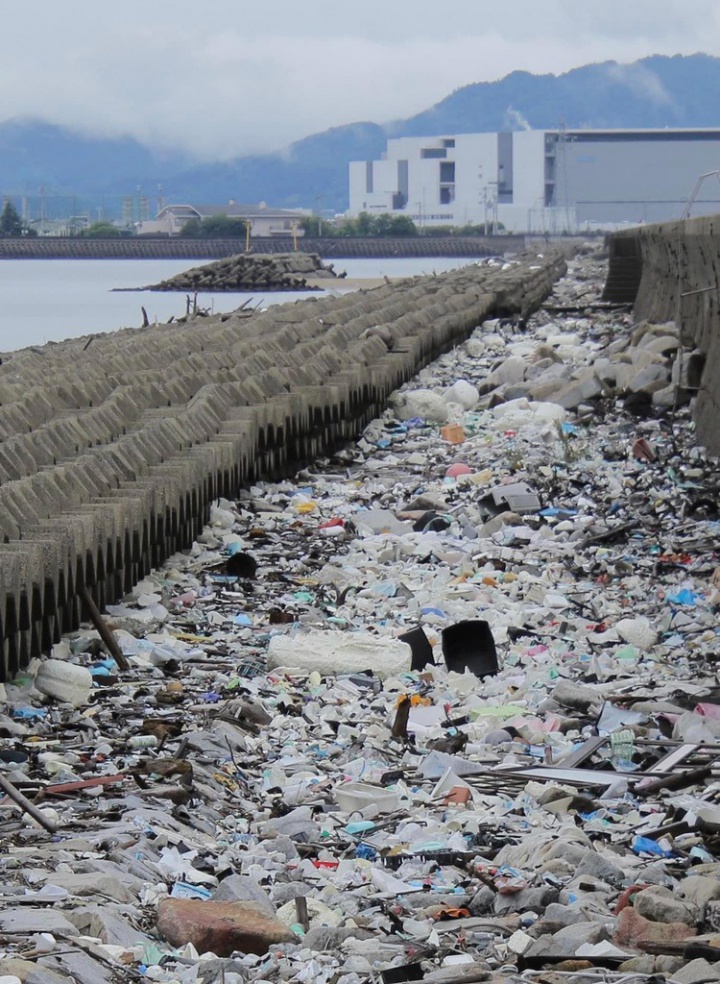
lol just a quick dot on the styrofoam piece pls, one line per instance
(319, 914)
(64, 681)
(638, 632)
(357, 795)
(380, 521)
(339, 652)
(447, 781)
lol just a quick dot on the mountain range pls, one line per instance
(97, 172)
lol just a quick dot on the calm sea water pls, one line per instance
(49, 300)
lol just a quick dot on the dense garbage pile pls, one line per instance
(295, 781)
(251, 271)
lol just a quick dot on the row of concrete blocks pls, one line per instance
(118, 470)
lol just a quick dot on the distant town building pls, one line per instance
(70, 226)
(542, 180)
(266, 221)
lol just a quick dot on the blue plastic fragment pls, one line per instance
(684, 597)
(645, 845)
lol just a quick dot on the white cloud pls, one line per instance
(236, 76)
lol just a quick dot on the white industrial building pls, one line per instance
(542, 180)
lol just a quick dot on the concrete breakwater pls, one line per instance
(113, 447)
(251, 271)
(137, 248)
(670, 272)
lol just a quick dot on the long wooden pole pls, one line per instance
(105, 634)
(26, 806)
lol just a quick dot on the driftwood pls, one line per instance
(26, 806)
(105, 634)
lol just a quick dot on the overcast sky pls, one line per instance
(227, 77)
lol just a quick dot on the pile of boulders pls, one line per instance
(251, 271)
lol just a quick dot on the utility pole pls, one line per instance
(319, 199)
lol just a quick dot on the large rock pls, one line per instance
(93, 883)
(534, 899)
(648, 379)
(586, 386)
(642, 357)
(27, 921)
(661, 344)
(106, 925)
(601, 867)
(220, 927)
(632, 929)
(512, 370)
(697, 970)
(422, 403)
(73, 965)
(699, 889)
(463, 393)
(660, 905)
(18, 967)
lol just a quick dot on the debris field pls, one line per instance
(442, 707)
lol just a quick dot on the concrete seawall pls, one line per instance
(671, 272)
(140, 248)
(113, 447)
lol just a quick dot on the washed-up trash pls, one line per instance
(453, 434)
(380, 521)
(286, 741)
(354, 796)
(470, 646)
(431, 522)
(458, 469)
(448, 783)
(643, 451)
(638, 632)
(398, 975)
(516, 497)
(422, 652)
(683, 597)
(64, 681)
(241, 564)
(335, 652)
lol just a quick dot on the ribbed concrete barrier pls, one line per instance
(112, 447)
(671, 272)
(141, 247)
